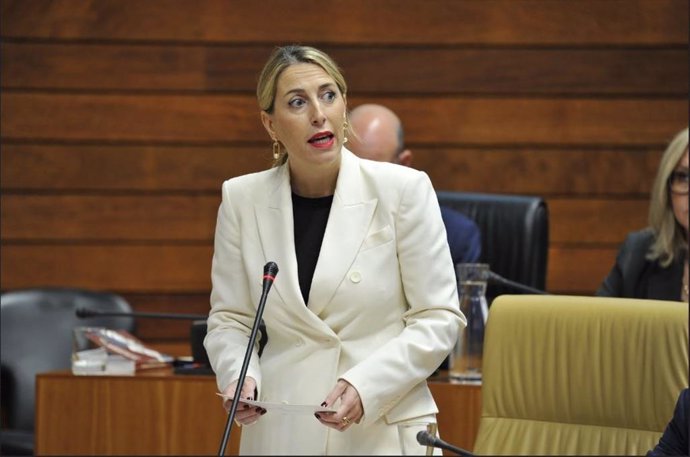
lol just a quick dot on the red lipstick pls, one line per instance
(322, 140)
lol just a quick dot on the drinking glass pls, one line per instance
(466, 360)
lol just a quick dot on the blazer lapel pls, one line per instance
(348, 224)
(276, 230)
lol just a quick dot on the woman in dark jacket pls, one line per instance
(674, 441)
(653, 263)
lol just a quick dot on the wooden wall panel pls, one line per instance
(120, 119)
(439, 121)
(578, 270)
(560, 171)
(164, 168)
(117, 218)
(594, 221)
(192, 218)
(160, 67)
(445, 22)
(157, 168)
(149, 267)
(181, 269)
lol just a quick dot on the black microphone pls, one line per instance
(498, 279)
(270, 272)
(84, 313)
(427, 439)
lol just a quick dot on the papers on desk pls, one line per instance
(284, 408)
(99, 362)
(103, 351)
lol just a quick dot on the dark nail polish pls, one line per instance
(323, 404)
(263, 411)
(257, 409)
(317, 416)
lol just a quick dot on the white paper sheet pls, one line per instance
(284, 408)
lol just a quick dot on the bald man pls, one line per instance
(378, 135)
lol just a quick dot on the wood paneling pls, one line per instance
(558, 171)
(159, 168)
(579, 270)
(120, 119)
(184, 268)
(68, 168)
(458, 425)
(597, 221)
(233, 69)
(193, 218)
(117, 218)
(443, 120)
(88, 117)
(179, 415)
(152, 413)
(173, 268)
(409, 22)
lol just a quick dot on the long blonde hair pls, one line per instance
(280, 59)
(670, 237)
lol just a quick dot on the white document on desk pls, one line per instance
(284, 408)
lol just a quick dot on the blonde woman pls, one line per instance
(653, 263)
(365, 306)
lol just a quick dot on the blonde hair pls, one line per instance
(670, 237)
(282, 58)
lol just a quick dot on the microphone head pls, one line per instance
(424, 438)
(271, 270)
(81, 313)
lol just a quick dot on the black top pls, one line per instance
(633, 276)
(310, 216)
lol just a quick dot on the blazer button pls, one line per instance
(355, 277)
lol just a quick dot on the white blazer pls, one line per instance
(383, 309)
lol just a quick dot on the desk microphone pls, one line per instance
(427, 439)
(83, 313)
(498, 279)
(270, 272)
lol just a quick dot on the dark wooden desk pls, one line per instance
(460, 407)
(158, 413)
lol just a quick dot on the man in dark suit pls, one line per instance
(674, 441)
(378, 135)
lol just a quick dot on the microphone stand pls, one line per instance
(498, 279)
(270, 271)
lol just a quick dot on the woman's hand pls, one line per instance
(245, 414)
(350, 410)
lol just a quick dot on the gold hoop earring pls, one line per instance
(276, 149)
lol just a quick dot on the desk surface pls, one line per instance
(158, 413)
